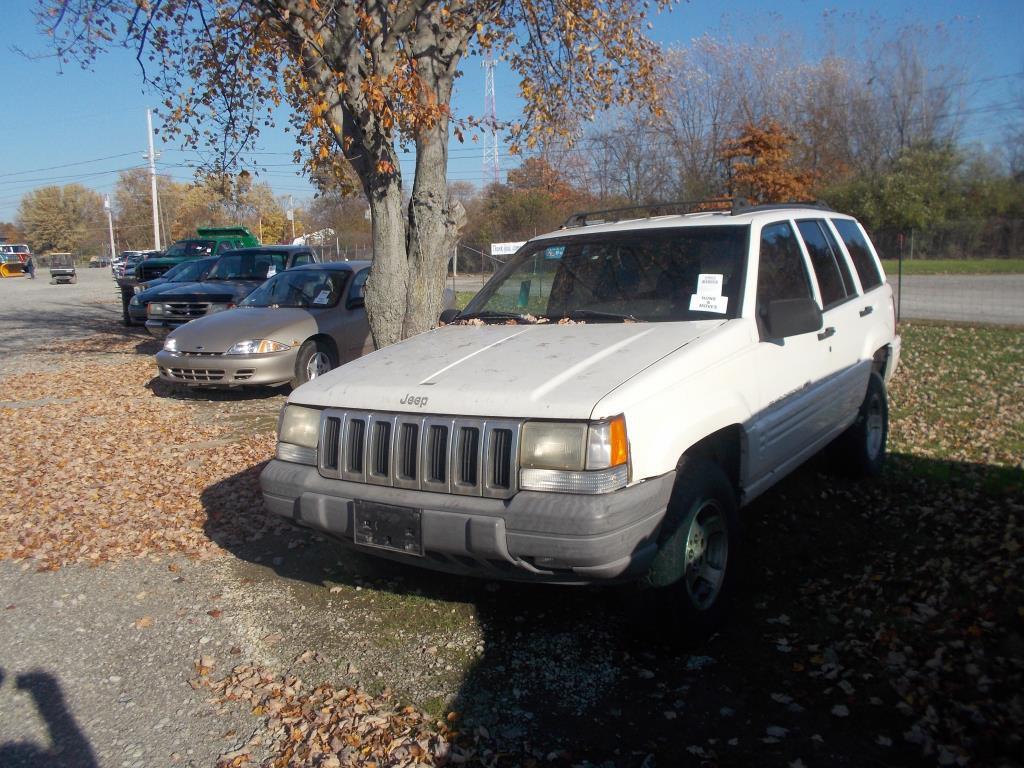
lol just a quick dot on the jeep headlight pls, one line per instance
(298, 434)
(574, 457)
(256, 347)
(155, 308)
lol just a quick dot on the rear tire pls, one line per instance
(693, 576)
(315, 359)
(860, 450)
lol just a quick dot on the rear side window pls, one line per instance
(358, 288)
(860, 253)
(305, 257)
(830, 268)
(781, 271)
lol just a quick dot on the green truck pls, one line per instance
(210, 241)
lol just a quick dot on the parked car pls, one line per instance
(99, 261)
(175, 277)
(62, 268)
(124, 275)
(605, 403)
(298, 325)
(212, 241)
(236, 275)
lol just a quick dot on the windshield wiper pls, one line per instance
(595, 314)
(491, 314)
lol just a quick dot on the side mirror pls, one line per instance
(356, 302)
(792, 317)
(448, 316)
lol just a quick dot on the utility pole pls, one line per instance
(110, 223)
(291, 215)
(151, 156)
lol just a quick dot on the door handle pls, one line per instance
(866, 311)
(828, 332)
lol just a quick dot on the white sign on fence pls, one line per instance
(505, 249)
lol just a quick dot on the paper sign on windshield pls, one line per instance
(717, 304)
(324, 297)
(709, 285)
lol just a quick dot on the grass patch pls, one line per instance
(959, 396)
(462, 298)
(955, 267)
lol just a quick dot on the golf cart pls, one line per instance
(62, 268)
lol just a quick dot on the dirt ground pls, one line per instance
(151, 614)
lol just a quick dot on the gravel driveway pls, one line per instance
(152, 615)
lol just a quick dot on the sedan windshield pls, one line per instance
(692, 273)
(249, 265)
(303, 288)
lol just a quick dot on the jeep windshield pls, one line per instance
(191, 248)
(301, 288)
(662, 275)
(249, 265)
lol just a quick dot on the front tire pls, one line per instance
(315, 359)
(694, 573)
(860, 450)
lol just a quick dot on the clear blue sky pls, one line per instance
(85, 126)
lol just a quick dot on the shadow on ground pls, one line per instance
(877, 624)
(68, 748)
(165, 389)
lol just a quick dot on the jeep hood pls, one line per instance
(528, 371)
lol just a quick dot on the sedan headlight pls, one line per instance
(170, 345)
(298, 434)
(574, 457)
(257, 347)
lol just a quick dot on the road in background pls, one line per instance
(962, 298)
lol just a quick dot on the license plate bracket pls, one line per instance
(385, 526)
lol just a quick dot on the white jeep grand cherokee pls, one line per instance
(605, 403)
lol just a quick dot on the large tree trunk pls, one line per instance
(434, 224)
(387, 286)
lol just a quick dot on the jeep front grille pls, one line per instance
(473, 457)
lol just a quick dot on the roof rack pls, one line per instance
(742, 206)
(654, 209)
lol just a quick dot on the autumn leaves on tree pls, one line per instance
(759, 166)
(363, 78)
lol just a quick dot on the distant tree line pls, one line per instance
(878, 133)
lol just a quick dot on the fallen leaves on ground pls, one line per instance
(327, 726)
(106, 470)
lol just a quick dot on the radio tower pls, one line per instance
(492, 172)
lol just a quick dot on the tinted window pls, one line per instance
(860, 253)
(358, 288)
(248, 265)
(303, 258)
(826, 266)
(190, 248)
(781, 271)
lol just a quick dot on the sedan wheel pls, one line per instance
(316, 357)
